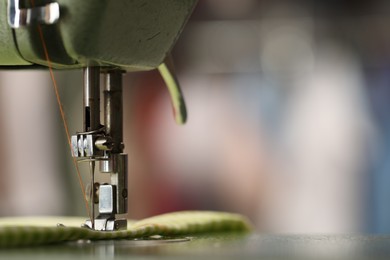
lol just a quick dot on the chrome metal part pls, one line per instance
(90, 145)
(75, 146)
(107, 199)
(107, 166)
(117, 167)
(113, 121)
(113, 108)
(119, 178)
(17, 17)
(91, 99)
(104, 143)
(92, 194)
(107, 224)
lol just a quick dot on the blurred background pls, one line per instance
(288, 122)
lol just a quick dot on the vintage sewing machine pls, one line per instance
(104, 38)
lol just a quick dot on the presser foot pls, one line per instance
(106, 224)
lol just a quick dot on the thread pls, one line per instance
(63, 118)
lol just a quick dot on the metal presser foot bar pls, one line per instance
(104, 144)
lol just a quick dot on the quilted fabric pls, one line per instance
(40, 231)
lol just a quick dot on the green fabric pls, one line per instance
(40, 231)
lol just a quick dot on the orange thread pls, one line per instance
(55, 86)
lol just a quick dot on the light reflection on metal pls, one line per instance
(17, 17)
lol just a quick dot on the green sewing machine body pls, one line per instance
(104, 38)
(127, 34)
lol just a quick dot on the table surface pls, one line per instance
(222, 246)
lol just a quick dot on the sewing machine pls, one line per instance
(104, 38)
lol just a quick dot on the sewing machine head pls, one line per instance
(101, 37)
